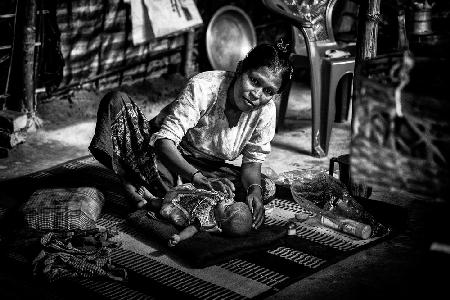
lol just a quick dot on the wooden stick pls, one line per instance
(188, 53)
(368, 33)
(29, 40)
(12, 49)
(366, 45)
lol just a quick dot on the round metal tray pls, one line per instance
(229, 37)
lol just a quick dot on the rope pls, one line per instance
(375, 18)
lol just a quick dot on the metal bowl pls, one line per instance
(229, 37)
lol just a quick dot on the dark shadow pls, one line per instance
(294, 125)
(343, 95)
(290, 147)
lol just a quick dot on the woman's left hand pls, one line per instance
(257, 208)
(223, 185)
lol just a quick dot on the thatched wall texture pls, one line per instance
(96, 40)
(88, 43)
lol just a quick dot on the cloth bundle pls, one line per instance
(77, 254)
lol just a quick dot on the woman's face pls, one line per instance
(254, 88)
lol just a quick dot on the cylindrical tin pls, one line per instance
(422, 22)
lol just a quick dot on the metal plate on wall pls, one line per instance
(229, 37)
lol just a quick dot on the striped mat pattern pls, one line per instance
(155, 273)
(248, 277)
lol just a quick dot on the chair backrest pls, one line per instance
(312, 17)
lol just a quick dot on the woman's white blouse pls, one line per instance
(196, 121)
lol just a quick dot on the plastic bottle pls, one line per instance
(352, 227)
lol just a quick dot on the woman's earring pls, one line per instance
(282, 46)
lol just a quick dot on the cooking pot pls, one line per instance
(229, 37)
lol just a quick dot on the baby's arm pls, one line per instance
(183, 235)
(174, 214)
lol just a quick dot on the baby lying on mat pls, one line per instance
(202, 210)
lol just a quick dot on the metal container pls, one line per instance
(422, 22)
(355, 189)
(229, 37)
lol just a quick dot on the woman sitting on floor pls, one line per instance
(218, 116)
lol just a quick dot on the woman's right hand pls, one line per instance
(223, 185)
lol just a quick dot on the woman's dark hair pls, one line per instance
(275, 57)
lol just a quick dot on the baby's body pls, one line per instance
(202, 210)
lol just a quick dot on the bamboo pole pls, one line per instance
(366, 45)
(11, 57)
(29, 40)
(368, 32)
(188, 67)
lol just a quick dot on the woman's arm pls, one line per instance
(168, 152)
(172, 158)
(251, 180)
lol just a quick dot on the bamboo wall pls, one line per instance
(97, 49)
(96, 39)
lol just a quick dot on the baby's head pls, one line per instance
(235, 219)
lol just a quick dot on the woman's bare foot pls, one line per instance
(138, 195)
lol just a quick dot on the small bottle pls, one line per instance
(292, 230)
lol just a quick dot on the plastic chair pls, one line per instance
(313, 18)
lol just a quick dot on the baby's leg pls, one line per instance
(183, 235)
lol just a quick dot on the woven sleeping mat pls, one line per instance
(156, 271)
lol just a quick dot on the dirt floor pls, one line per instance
(69, 124)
